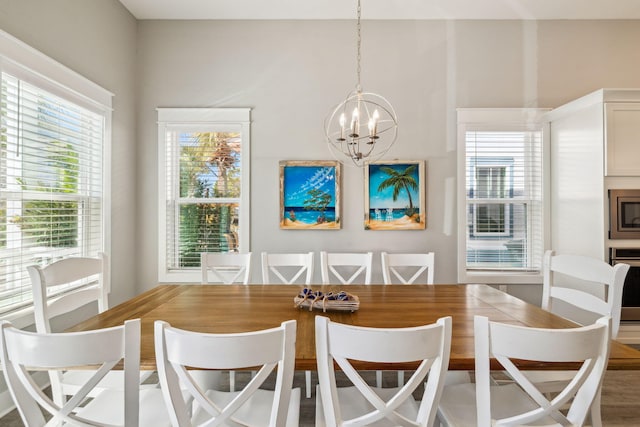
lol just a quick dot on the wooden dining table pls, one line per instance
(242, 308)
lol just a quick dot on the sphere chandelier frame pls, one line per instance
(356, 142)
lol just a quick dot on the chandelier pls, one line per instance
(364, 126)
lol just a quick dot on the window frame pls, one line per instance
(498, 119)
(35, 68)
(213, 120)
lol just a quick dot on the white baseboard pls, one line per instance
(6, 401)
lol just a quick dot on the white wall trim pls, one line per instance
(209, 119)
(49, 69)
(33, 66)
(521, 119)
(6, 403)
(204, 115)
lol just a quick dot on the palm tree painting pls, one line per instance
(395, 198)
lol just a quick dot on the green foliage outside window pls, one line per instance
(208, 169)
(53, 223)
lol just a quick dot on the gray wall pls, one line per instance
(291, 72)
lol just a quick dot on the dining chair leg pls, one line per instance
(400, 378)
(596, 416)
(307, 377)
(379, 379)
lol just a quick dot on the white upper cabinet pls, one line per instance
(622, 139)
(594, 145)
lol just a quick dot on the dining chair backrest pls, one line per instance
(225, 267)
(177, 349)
(341, 343)
(586, 345)
(287, 268)
(23, 352)
(407, 268)
(346, 267)
(570, 277)
(72, 271)
(78, 281)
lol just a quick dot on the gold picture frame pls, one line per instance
(395, 197)
(310, 194)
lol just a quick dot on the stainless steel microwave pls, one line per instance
(624, 214)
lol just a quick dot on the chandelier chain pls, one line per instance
(359, 37)
(372, 126)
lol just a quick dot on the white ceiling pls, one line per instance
(384, 9)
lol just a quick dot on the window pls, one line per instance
(491, 181)
(53, 145)
(204, 187)
(500, 208)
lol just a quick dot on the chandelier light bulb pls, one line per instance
(373, 125)
(371, 110)
(355, 124)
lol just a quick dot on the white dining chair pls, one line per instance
(585, 283)
(579, 288)
(362, 404)
(521, 403)
(24, 353)
(79, 281)
(177, 349)
(289, 268)
(225, 267)
(346, 267)
(407, 268)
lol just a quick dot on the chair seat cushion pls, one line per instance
(458, 404)
(255, 412)
(353, 404)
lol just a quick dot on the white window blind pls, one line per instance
(51, 183)
(205, 187)
(504, 205)
(502, 182)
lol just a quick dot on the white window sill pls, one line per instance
(20, 318)
(506, 278)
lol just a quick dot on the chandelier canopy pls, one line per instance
(364, 126)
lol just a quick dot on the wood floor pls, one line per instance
(620, 401)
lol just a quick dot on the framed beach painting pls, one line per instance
(310, 195)
(395, 195)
